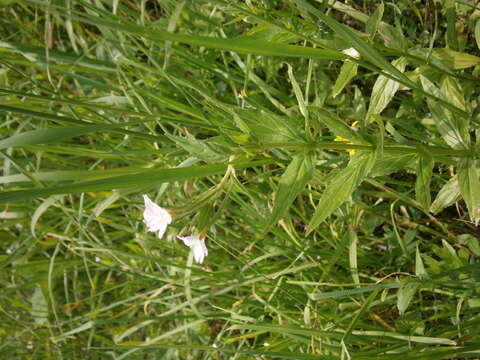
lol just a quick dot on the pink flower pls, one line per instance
(155, 217)
(197, 245)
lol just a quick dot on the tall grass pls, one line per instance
(327, 150)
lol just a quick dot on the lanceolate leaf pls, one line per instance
(347, 73)
(199, 149)
(298, 174)
(470, 187)
(424, 176)
(448, 194)
(374, 21)
(449, 125)
(341, 187)
(477, 33)
(385, 89)
(405, 295)
(338, 127)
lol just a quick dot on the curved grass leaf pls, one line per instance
(145, 178)
(42, 136)
(244, 44)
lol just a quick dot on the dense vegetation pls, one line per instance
(327, 150)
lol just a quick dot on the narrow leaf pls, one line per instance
(298, 92)
(456, 60)
(424, 175)
(420, 271)
(152, 177)
(39, 306)
(200, 149)
(374, 20)
(405, 295)
(347, 73)
(477, 33)
(470, 187)
(367, 51)
(298, 174)
(449, 127)
(244, 44)
(42, 136)
(384, 89)
(448, 195)
(339, 128)
(341, 188)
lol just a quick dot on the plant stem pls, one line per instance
(345, 146)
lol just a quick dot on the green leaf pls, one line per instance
(39, 306)
(474, 245)
(353, 255)
(452, 36)
(243, 44)
(347, 73)
(83, 327)
(352, 292)
(391, 35)
(367, 51)
(456, 60)
(477, 33)
(384, 90)
(405, 295)
(42, 136)
(200, 149)
(450, 126)
(453, 93)
(68, 175)
(391, 162)
(339, 128)
(37, 54)
(267, 127)
(40, 210)
(298, 174)
(146, 178)
(341, 187)
(298, 92)
(420, 271)
(470, 187)
(424, 175)
(374, 20)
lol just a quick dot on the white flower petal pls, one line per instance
(352, 52)
(161, 230)
(189, 240)
(197, 245)
(155, 217)
(205, 250)
(200, 251)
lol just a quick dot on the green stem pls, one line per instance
(345, 146)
